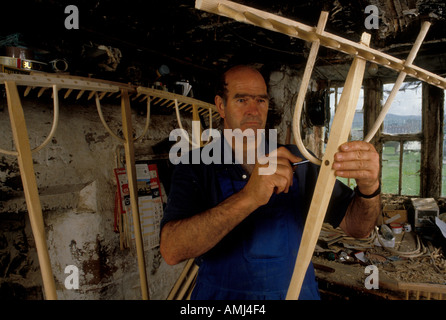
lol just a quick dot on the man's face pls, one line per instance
(247, 101)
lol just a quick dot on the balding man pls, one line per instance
(244, 228)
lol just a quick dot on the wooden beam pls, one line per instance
(340, 131)
(423, 287)
(24, 158)
(127, 130)
(65, 82)
(373, 95)
(432, 144)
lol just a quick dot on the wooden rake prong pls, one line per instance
(27, 90)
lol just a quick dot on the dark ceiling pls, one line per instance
(196, 45)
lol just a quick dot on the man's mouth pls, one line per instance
(251, 122)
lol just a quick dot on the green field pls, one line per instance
(410, 184)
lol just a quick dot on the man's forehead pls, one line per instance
(247, 84)
(248, 95)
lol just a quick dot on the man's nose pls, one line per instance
(253, 107)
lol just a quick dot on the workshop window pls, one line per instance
(404, 116)
(401, 167)
(357, 131)
(401, 137)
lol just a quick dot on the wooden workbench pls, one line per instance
(346, 280)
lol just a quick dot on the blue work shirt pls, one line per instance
(255, 261)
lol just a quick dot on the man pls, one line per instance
(244, 228)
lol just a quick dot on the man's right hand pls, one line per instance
(261, 186)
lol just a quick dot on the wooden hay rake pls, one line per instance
(93, 88)
(343, 118)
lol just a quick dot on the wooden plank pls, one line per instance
(340, 130)
(61, 82)
(131, 176)
(299, 30)
(432, 143)
(24, 158)
(424, 287)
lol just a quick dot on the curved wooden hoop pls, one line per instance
(303, 90)
(53, 127)
(114, 135)
(146, 127)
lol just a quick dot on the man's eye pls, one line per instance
(241, 100)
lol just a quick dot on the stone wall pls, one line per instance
(77, 188)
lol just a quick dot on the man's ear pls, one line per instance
(220, 106)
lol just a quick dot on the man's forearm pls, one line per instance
(361, 216)
(193, 236)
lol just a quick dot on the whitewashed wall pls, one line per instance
(77, 187)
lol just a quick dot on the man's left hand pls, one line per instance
(358, 160)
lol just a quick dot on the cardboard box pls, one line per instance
(394, 213)
(426, 209)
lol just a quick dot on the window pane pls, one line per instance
(390, 167)
(411, 168)
(404, 115)
(358, 120)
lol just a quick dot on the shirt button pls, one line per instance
(244, 176)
